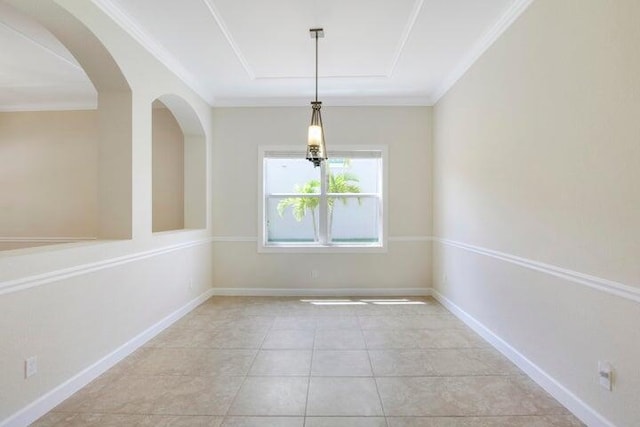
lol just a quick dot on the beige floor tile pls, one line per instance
(197, 396)
(345, 339)
(227, 362)
(422, 338)
(331, 310)
(379, 322)
(464, 396)
(289, 339)
(410, 322)
(214, 309)
(387, 339)
(251, 323)
(416, 305)
(282, 363)
(271, 361)
(50, 420)
(193, 362)
(507, 421)
(100, 420)
(272, 311)
(270, 396)
(180, 421)
(202, 322)
(89, 391)
(183, 338)
(337, 322)
(444, 362)
(341, 363)
(345, 422)
(294, 323)
(171, 395)
(232, 339)
(263, 422)
(451, 338)
(342, 397)
(168, 361)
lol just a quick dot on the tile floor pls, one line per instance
(283, 362)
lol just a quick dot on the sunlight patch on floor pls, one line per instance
(387, 301)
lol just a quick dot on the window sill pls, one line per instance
(315, 248)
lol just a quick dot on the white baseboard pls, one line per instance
(319, 292)
(53, 398)
(579, 408)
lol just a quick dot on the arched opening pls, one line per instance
(179, 166)
(65, 131)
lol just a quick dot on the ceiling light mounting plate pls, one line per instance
(318, 31)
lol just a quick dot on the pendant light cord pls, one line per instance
(316, 66)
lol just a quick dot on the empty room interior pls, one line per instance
(180, 245)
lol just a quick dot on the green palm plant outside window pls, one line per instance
(344, 182)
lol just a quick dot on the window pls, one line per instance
(337, 205)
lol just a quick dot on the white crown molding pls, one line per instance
(41, 46)
(485, 42)
(327, 102)
(53, 398)
(22, 283)
(413, 16)
(156, 49)
(608, 286)
(319, 292)
(227, 34)
(578, 407)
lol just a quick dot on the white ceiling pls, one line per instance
(256, 52)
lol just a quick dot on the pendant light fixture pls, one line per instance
(316, 150)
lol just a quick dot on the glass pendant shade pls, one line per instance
(316, 151)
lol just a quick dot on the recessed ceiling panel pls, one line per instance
(361, 36)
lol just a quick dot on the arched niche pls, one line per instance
(114, 121)
(179, 166)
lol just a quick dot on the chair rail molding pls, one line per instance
(605, 285)
(15, 285)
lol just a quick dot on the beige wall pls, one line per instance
(168, 171)
(48, 163)
(73, 304)
(536, 155)
(49, 168)
(238, 132)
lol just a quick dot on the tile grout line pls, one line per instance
(373, 374)
(313, 354)
(226, 415)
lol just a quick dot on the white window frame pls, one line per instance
(323, 246)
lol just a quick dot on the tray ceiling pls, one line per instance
(252, 52)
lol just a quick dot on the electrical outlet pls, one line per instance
(315, 274)
(30, 367)
(605, 375)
